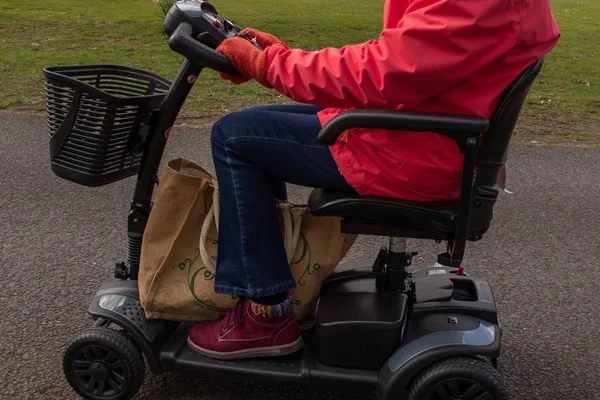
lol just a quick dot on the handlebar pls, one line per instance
(183, 42)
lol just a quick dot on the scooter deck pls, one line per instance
(300, 367)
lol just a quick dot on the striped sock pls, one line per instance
(272, 310)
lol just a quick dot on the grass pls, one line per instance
(65, 32)
(564, 104)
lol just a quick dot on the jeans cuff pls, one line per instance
(262, 292)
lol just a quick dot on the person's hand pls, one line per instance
(249, 61)
(263, 39)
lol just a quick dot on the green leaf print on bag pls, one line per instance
(191, 279)
(310, 269)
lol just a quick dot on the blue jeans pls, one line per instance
(255, 152)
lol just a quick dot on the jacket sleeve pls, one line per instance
(437, 44)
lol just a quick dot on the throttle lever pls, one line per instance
(251, 37)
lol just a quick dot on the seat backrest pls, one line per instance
(494, 151)
(502, 125)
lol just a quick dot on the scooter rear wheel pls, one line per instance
(102, 364)
(459, 378)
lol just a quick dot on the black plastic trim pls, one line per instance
(149, 340)
(483, 308)
(396, 375)
(343, 379)
(351, 275)
(456, 127)
(365, 228)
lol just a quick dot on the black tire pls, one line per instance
(102, 364)
(459, 378)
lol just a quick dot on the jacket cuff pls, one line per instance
(271, 52)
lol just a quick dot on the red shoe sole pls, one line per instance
(273, 351)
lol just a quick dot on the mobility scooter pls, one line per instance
(382, 326)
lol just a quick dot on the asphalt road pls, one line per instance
(59, 241)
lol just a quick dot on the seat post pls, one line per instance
(397, 245)
(397, 261)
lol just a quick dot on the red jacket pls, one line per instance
(446, 56)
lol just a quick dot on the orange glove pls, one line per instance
(246, 58)
(264, 39)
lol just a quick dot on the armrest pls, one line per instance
(465, 131)
(458, 128)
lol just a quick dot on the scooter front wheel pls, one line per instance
(102, 364)
(459, 378)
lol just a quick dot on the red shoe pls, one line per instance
(243, 334)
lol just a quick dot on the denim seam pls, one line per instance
(223, 137)
(235, 189)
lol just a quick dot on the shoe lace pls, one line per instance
(235, 315)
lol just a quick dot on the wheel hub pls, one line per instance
(99, 371)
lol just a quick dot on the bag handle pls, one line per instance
(212, 215)
(291, 229)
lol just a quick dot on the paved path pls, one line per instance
(58, 241)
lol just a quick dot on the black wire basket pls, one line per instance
(99, 117)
